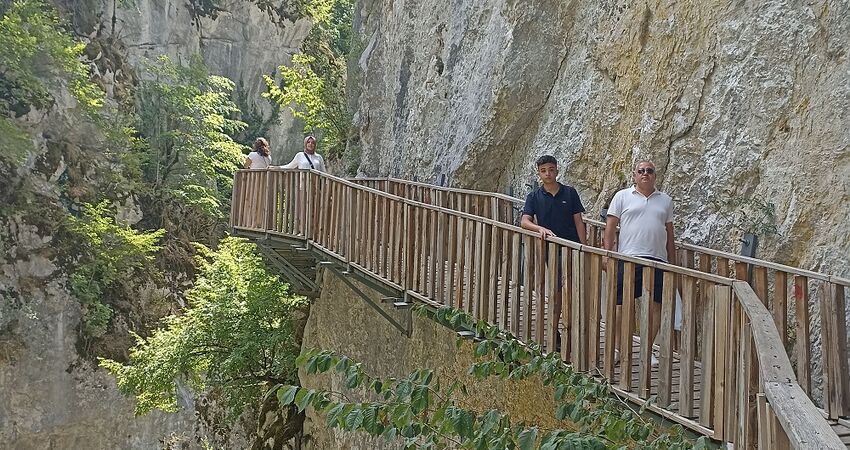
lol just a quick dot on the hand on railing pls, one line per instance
(545, 232)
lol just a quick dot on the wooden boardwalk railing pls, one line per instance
(736, 385)
(786, 291)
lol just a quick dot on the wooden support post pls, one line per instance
(803, 345)
(836, 374)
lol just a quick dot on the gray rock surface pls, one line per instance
(733, 101)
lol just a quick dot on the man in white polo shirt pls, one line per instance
(645, 217)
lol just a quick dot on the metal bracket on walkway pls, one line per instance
(290, 272)
(406, 328)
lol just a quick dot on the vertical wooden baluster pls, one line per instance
(505, 296)
(723, 267)
(732, 381)
(610, 313)
(577, 289)
(721, 344)
(461, 259)
(645, 363)
(744, 367)
(566, 280)
(780, 305)
(493, 280)
(801, 303)
(551, 319)
(469, 258)
(759, 283)
(687, 349)
(442, 239)
(452, 260)
(477, 248)
(515, 287)
(706, 413)
(410, 236)
(665, 341)
(627, 326)
(484, 275)
(528, 275)
(433, 227)
(593, 309)
(836, 374)
(540, 291)
(741, 271)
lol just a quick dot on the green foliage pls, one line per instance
(36, 57)
(187, 154)
(314, 87)
(422, 411)
(235, 336)
(111, 256)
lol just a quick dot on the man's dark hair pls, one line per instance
(546, 159)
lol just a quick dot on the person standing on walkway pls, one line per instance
(307, 159)
(261, 157)
(554, 209)
(645, 217)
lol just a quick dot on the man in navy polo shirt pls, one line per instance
(554, 209)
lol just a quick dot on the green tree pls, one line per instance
(111, 256)
(185, 145)
(38, 57)
(313, 88)
(236, 336)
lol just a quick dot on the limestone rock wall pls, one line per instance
(237, 40)
(734, 101)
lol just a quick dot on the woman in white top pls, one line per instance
(308, 159)
(261, 157)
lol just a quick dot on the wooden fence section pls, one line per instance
(729, 387)
(807, 306)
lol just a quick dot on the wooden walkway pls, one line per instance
(727, 375)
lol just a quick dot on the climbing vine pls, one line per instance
(423, 411)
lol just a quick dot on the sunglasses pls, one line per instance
(646, 170)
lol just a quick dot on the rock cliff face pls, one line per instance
(235, 38)
(734, 102)
(50, 395)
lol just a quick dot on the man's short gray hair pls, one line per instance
(641, 161)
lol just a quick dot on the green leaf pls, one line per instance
(528, 438)
(286, 394)
(334, 414)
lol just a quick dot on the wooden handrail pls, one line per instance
(801, 422)
(518, 203)
(434, 250)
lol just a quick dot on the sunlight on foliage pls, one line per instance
(236, 336)
(185, 128)
(37, 57)
(111, 256)
(313, 87)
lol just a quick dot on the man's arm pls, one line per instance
(529, 224)
(611, 224)
(671, 244)
(580, 229)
